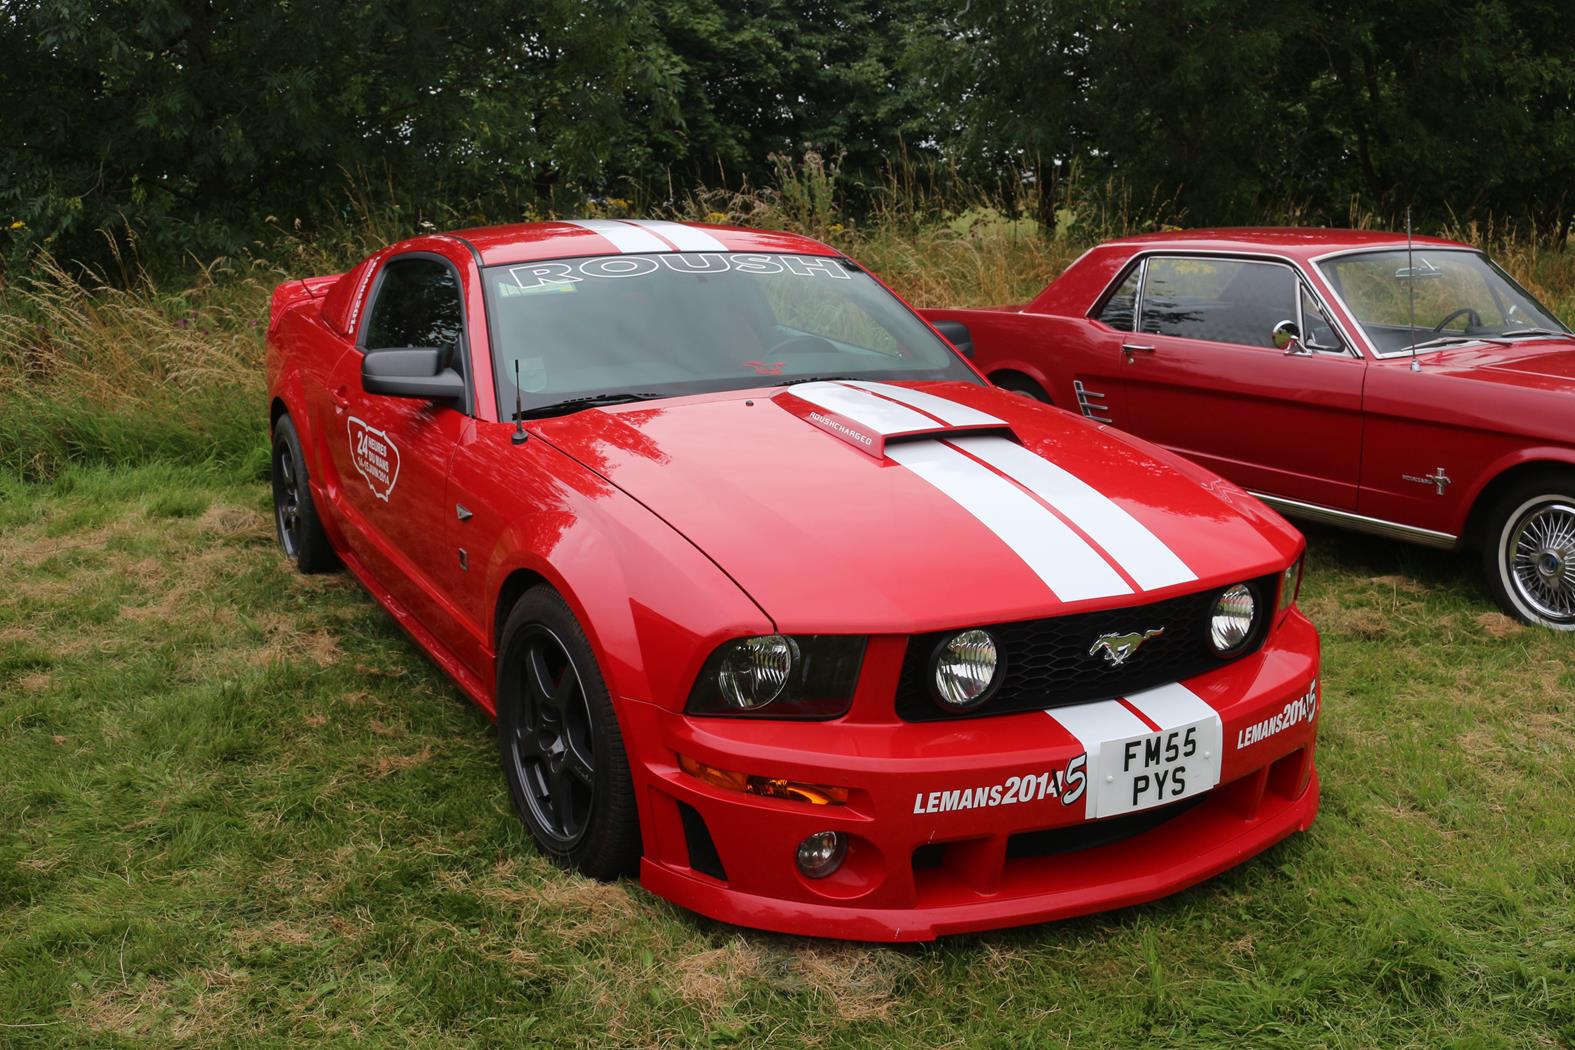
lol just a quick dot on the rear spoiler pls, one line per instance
(297, 292)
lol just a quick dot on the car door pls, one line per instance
(1192, 365)
(393, 453)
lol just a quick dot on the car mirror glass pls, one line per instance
(1288, 337)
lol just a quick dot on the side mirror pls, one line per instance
(1288, 337)
(415, 372)
(957, 334)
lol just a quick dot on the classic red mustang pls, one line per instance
(1415, 393)
(775, 599)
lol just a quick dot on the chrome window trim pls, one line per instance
(1317, 262)
(1351, 348)
(1360, 522)
(1112, 286)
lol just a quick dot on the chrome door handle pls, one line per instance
(1129, 349)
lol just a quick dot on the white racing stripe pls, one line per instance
(1113, 788)
(1072, 569)
(684, 238)
(1173, 705)
(949, 412)
(1141, 554)
(867, 410)
(624, 237)
(1093, 725)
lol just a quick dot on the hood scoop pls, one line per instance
(869, 416)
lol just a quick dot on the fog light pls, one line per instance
(965, 669)
(1232, 621)
(822, 853)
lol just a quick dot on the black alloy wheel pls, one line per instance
(561, 750)
(550, 744)
(295, 519)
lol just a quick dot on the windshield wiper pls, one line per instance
(1513, 332)
(1444, 340)
(815, 379)
(574, 404)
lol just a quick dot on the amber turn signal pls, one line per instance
(767, 787)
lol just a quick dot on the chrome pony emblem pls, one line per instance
(1438, 479)
(1119, 647)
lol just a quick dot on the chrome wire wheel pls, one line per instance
(552, 745)
(287, 498)
(1538, 556)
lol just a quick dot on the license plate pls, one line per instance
(1156, 769)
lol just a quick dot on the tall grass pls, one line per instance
(123, 368)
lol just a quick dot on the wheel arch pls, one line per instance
(997, 375)
(510, 591)
(1546, 461)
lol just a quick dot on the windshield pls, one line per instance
(1459, 296)
(661, 325)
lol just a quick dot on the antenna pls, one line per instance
(519, 413)
(1410, 288)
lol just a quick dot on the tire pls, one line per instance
(295, 519)
(1529, 550)
(1020, 384)
(562, 754)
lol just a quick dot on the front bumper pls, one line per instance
(920, 866)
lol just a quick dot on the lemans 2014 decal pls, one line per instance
(375, 457)
(1066, 784)
(1303, 709)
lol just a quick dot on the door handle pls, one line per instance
(1129, 350)
(341, 399)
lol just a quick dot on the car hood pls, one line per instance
(874, 508)
(1541, 364)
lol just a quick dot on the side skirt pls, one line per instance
(1360, 523)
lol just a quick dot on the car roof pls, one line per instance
(562, 239)
(1298, 242)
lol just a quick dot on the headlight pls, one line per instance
(1291, 582)
(777, 676)
(755, 671)
(965, 669)
(1231, 624)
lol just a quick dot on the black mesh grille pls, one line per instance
(1048, 663)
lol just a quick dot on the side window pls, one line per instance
(1221, 300)
(417, 304)
(1317, 332)
(1120, 309)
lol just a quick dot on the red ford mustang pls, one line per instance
(1420, 394)
(774, 599)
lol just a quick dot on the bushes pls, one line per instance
(134, 371)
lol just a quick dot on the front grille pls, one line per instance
(1047, 663)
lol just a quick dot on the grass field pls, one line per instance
(237, 807)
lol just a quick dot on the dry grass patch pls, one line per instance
(719, 979)
(389, 764)
(1498, 625)
(858, 984)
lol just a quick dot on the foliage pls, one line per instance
(1234, 110)
(203, 129)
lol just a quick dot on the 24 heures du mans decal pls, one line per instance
(375, 457)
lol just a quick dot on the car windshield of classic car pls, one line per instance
(1459, 296)
(633, 327)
